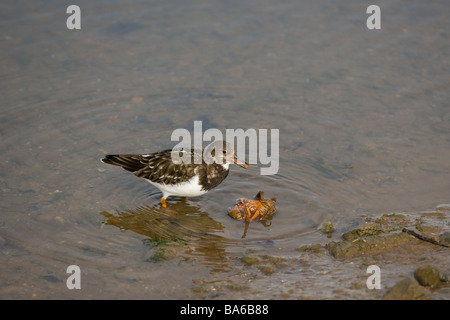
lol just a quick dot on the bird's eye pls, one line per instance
(224, 151)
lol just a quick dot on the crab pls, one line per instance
(259, 209)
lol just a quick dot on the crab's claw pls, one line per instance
(260, 196)
(255, 215)
(235, 213)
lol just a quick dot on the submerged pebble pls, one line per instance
(406, 289)
(427, 276)
(162, 254)
(445, 277)
(327, 227)
(249, 260)
(266, 270)
(317, 248)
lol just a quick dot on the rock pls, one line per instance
(268, 270)
(161, 254)
(249, 260)
(443, 207)
(317, 248)
(366, 231)
(427, 276)
(445, 237)
(367, 246)
(406, 289)
(327, 227)
(278, 262)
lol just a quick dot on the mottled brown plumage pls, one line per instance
(181, 179)
(158, 167)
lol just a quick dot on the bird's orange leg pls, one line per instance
(163, 202)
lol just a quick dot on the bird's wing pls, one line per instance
(157, 167)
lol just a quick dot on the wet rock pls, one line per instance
(164, 250)
(366, 231)
(427, 276)
(327, 227)
(445, 277)
(391, 221)
(161, 254)
(445, 238)
(388, 232)
(443, 207)
(316, 248)
(275, 261)
(406, 289)
(266, 270)
(367, 245)
(249, 260)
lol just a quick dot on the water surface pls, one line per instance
(364, 126)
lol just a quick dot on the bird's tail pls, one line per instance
(129, 162)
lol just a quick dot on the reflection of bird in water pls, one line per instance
(186, 231)
(197, 172)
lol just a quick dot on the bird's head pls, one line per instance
(222, 152)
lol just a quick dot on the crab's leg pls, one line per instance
(245, 229)
(257, 213)
(247, 214)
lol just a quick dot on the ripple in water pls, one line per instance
(200, 227)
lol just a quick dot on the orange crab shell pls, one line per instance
(238, 212)
(249, 210)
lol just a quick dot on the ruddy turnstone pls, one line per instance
(187, 179)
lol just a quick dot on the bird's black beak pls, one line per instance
(243, 165)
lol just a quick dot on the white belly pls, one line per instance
(189, 188)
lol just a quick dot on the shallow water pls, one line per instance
(364, 123)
